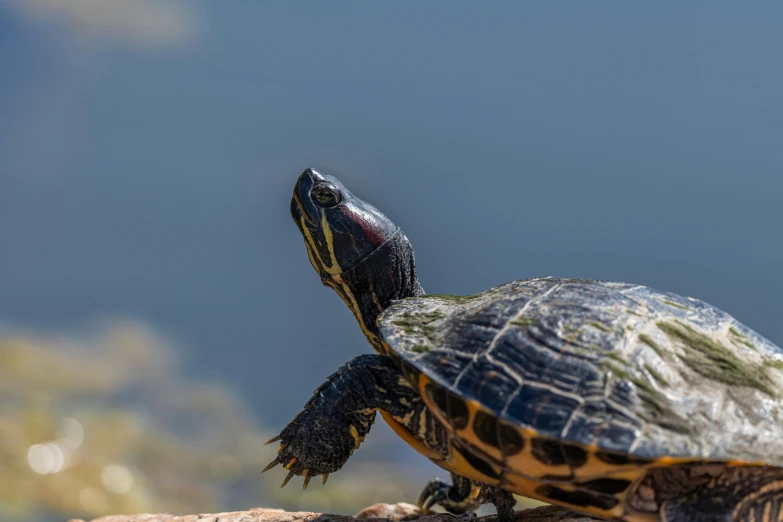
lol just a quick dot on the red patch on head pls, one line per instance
(371, 232)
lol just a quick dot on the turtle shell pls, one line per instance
(569, 367)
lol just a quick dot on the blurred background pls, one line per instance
(159, 318)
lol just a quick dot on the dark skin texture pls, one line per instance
(715, 493)
(336, 419)
(320, 438)
(369, 262)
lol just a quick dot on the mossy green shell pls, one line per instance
(620, 368)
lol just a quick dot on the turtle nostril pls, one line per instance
(313, 175)
(304, 177)
(301, 197)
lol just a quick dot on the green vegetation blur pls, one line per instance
(107, 423)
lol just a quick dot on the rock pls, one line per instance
(378, 512)
(393, 512)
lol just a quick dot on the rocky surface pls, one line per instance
(379, 512)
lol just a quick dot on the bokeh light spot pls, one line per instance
(71, 433)
(40, 458)
(117, 479)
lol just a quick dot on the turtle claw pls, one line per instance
(270, 465)
(434, 500)
(326, 476)
(436, 492)
(287, 478)
(445, 495)
(315, 444)
(273, 439)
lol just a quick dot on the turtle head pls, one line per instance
(355, 249)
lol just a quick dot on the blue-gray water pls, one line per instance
(614, 140)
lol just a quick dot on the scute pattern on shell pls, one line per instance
(627, 368)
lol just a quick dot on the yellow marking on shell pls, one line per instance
(523, 474)
(455, 461)
(524, 460)
(738, 463)
(596, 468)
(521, 485)
(510, 468)
(664, 462)
(423, 382)
(468, 434)
(528, 487)
(406, 435)
(458, 464)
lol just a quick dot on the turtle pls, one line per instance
(609, 399)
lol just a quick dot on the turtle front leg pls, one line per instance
(336, 419)
(464, 495)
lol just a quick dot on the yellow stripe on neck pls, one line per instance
(335, 272)
(335, 267)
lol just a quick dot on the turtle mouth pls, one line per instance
(298, 212)
(300, 203)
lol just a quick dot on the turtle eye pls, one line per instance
(326, 195)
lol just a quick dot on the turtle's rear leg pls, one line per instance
(466, 495)
(503, 500)
(738, 495)
(456, 498)
(764, 505)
